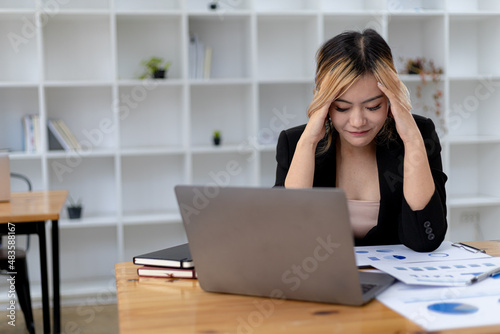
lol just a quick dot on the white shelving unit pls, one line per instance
(79, 61)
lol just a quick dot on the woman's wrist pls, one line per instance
(306, 143)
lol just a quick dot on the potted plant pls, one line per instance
(155, 67)
(74, 208)
(426, 69)
(213, 5)
(216, 138)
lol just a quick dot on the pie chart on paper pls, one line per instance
(453, 308)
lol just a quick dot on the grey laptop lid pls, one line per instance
(4, 177)
(278, 243)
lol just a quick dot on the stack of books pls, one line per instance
(174, 262)
(31, 128)
(60, 136)
(200, 59)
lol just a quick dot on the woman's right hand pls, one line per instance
(315, 128)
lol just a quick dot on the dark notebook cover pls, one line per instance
(176, 257)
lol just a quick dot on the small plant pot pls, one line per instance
(74, 212)
(160, 74)
(216, 141)
(213, 5)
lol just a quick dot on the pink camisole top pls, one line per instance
(364, 216)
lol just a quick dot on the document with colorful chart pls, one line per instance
(439, 308)
(367, 256)
(444, 273)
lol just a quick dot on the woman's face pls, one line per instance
(359, 114)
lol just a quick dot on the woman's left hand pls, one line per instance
(405, 124)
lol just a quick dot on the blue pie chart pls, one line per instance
(453, 308)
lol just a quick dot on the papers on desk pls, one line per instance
(439, 308)
(444, 273)
(439, 294)
(400, 254)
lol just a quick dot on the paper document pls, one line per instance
(439, 308)
(371, 255)
(444, 273)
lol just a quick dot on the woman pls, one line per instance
(362, 138)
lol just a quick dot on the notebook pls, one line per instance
(274, 242)
(176, 256)
(4, 177)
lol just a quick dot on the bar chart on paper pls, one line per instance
(367, 256)
(444, 273)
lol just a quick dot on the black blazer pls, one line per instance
(421, 230)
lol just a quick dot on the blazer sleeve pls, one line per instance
(284, 154)
(424, 230)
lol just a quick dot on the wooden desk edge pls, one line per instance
(49, 205)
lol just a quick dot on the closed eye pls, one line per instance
(341, 109)
(374, 108)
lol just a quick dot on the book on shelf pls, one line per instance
(150, 271)
(173, 257)
(60, 136)
(31, 129)
(200, 59)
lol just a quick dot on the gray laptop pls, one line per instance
(275, 242)
(4, 177)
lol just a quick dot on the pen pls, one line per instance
(468, 248)
(485, 275)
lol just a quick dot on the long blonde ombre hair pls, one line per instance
(344, 59)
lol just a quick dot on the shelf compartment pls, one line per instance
(145, 36)
(427, 104)
(223, 169)
(84, 248)
(416, 6)
(227, 62)
(15, 103)
(89, 222)
(84, 54)
(148, 183)
(415, 36)
(473, 109)
(468, 140)
(18, 59)
(152, 150)
(468, 201)
(97, 193)
(32, 169)
(475, 171)
(285, 5)
(282, 106)
(17, 4)
(151, 218)
(267, 169)
(471, 6)
(151, 117)
(158, 237)
(223, 7)
(147, 5)
(336, 24)
(87, 113)
(474, 45)
(286, 47)
(353, 6)
(223, 108)
(56, 6)
(474, 223)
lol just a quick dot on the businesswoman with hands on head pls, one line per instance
(362, 138)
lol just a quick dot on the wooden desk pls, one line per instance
(157, 305)
(29, 211)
